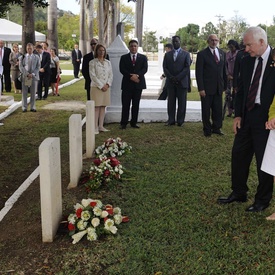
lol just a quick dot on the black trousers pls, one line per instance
(76, 66)
(176, 92)
(7, 78)
(251, 139)
(211, 107)
(43, 81)
(128, 97)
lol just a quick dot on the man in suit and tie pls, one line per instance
(4, 61)
(176, 67)
(255, 94)
(44, 72)
(76, 60)
(29, 65)
(133, 66)
(212, 82)
(85, 67)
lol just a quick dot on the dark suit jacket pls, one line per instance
(180, 68)
(126, 68)
(74, 57)
(267, 89)
(6, 62)
(211, 76)
(46, 61)
(85, 68)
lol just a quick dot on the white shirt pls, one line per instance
(265, 59)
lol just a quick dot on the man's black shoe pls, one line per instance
(256, 207)
(207, 134)
(135, 126)
(33, 110)
(218, 132)
(170, 124)
(231, 198)
(122, 127)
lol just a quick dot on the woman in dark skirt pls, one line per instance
(55, 72)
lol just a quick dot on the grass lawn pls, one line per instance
(173, 178)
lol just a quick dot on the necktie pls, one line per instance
(250, 103)
(134, 59)
(215, 56)
(29, 63)
(175, 54)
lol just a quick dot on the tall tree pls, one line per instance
(52, 24)
(139, 20)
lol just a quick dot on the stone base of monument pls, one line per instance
(154, 111)
(6, 100)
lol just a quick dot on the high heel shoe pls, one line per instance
(102, 129)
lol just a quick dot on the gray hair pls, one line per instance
(257, 33)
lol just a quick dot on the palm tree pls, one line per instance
(28, 30)
(52, 24)
(82, 25)
(139, 20)
(90, 23)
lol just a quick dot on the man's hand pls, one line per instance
(270, 125)
(41, 70)
(237, 124)
(202, 93)
(134, 77)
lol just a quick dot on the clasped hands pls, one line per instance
(174, 80)
(135, 78)
(105, 87)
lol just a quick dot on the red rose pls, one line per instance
(97, 162)
(71, 227)
(114, 162)
(93, 203)
(109, 209)
(78, 212)
(125, 219)
(107, 173)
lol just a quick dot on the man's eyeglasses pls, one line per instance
(92, 44)
(214, 40)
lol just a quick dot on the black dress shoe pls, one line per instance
(39, 98)
(206, 134)
(218, 132)
(122, 127)
(135, 126)
(25, 110)
(33, 110)
(169, 124)
(256, 207)
(231, 198)
(180, 124)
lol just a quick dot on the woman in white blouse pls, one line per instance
(101, 74)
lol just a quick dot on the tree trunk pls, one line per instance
(100, 20)
(115, 19)
(139, 20)
(28, 31)
(106, 6)
(90, 23)
(82, 18)
(52, 38)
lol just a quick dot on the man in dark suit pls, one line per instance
(4, 61)
(76, 60)
(212, 81)
(176, 67)
(133, 66)
(44, 72)
(85, 67)
(255, 94)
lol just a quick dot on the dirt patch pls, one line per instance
(66, 105)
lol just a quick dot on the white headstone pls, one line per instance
(76, 154)
(90, 128)
(50, 187)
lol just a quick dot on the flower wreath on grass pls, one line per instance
(113, 147)
(93, 218)
(104, 170)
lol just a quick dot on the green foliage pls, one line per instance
(150, 42)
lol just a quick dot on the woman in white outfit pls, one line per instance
(101, 74)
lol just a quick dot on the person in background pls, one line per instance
(76, 60)
(14, 61)
(44, 72)
(176, 67)
(4, 61)
(29, 65)
(55, 71)
(133, 66)
(212, 81)
(163, 90)
(101, 75)
(45, 47)
(230, 61)
(253, 99)
(85, 67)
